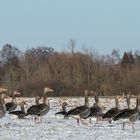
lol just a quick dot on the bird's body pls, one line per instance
(11, 106)
(123, 111)
(40, 109)
(96, 109)
(130, 114)
(30, 110)
(125, 114)
(20, 113)
(112, 112)
(63, 112)
(81, 112)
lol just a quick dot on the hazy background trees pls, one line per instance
(68, 73)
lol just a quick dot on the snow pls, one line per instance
(53, 128)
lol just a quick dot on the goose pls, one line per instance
(112, 112)
(2, 105)
(96, 109)
(43, 108)
(123, 110)
(130, 114)
(80, 112)
(20, 113)
(63, 112)
(10, 106)
(135, 116)
(31, 108)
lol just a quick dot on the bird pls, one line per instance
(43, 108)
(130, 114)
(10, 106)
(30, 110)
(96, 109)
(63, 112)
(80, 112)
(20, 113)
(123, 110)
(2, 105)
(112, 112)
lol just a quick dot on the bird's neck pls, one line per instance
(46, 101)
(2, 103)
(37, 101)
(96, 98)
(128, 102)
(14, 100)
(138, 103)
(117, 103)
(86, 100)
(98, 104)
(94, 104)
(64, 108)
(22, 108)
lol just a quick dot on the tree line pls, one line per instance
(68, 73)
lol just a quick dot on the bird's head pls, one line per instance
(47, 89)
(16, 93)
(64, 103)
(3, 96)
(23, 103)
(3, 90)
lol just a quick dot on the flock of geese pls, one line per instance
(38, 110)
(80, 113)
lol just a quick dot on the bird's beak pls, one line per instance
(17, 93)
(3, 90)
(26, 104)
(7, 96)
(49, 90)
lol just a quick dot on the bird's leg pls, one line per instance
(84, 122)
(110, 121)
(123, 125)
(41, 119)
(35, 118)
(77, 121)
(89, 120)
(133, 127)
(97, 120)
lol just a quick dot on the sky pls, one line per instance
(102, 25)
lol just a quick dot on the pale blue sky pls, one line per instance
(103, 25)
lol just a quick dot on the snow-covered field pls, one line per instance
(66, 129)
